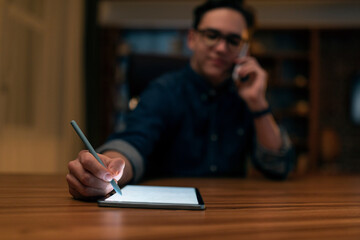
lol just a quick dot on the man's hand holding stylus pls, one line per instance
(87, 178)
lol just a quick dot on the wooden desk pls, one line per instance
(40, 207)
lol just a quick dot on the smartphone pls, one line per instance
(243, 53)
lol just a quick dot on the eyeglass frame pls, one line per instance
(225, 37)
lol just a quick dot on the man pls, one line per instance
(197, 121)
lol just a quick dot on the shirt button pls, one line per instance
(240, 131)
(213, 168)
(212, 93)
(213, 137)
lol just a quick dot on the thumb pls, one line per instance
(116, 167)
(110, 170)
(108, 176)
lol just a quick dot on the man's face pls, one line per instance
(214, 59)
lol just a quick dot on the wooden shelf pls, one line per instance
(283, 55)
(301, 145)
(291, 113)
(289, 86)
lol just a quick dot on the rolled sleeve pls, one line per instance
(130, 152)
(275, 164)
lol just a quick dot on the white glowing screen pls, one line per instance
(155, 194)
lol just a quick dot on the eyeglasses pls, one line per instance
(212, 37)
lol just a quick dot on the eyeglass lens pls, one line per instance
(212, 37)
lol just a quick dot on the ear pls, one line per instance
(191, 39)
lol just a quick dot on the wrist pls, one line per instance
(261, 113)
(258, 105)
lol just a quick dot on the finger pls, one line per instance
(244, 60)
(247, 68)
(74, 193)
(251, 66)
(85, 177)
(115, 166)
(89, 162)
(243, 70)
(78, 196)
(246, 65)
(245, 84)
(253, 73)
(78, 190)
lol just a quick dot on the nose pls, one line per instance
(221, 46)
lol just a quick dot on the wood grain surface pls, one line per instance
(312, 207)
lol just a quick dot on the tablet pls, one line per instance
(137, 196)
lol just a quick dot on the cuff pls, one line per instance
(276, 164)
(130, 152)
(285, 147)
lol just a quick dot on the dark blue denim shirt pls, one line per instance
(184, 127)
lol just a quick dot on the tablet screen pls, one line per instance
(137, 196)
(155, 194)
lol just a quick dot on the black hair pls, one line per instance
(233, 4)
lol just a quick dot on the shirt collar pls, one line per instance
(204, 87)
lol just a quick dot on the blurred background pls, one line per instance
(89, 60)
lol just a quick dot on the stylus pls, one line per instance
(92, 151)
(242, 53)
